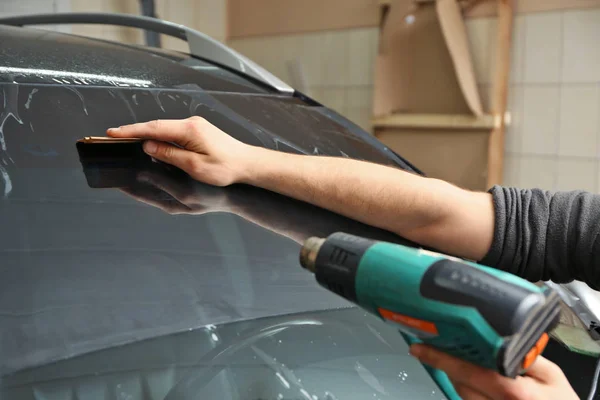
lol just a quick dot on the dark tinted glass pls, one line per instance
(88, 264)
(332, 355)
(50, 118)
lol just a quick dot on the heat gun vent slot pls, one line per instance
(336, 288)
(338, 256)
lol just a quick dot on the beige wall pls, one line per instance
(554, 98)
(207, 16)
(554, 138)
(337, 65)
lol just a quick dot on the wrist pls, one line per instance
(250, 164)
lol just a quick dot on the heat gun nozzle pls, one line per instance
(309, 251)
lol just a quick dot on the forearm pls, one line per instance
(428, 211)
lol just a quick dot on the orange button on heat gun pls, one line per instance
(535, 351)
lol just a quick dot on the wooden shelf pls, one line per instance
(437, 121)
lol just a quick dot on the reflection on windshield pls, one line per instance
(342, 354)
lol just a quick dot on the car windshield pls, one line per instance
(123, 278)
(329, 355)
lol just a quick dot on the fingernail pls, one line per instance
(114, 129)
(150, 147)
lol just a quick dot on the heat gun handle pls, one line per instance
(438, 376)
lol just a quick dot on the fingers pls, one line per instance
(545, 371)
(463, 373)
(181, 132)
(466, 393)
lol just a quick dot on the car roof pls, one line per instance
(37, 56)
(85, 268)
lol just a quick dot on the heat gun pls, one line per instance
(482, 315)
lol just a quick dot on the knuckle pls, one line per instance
(166, 151)
(193, 166)
(192, 126)
(155, 125)
(196, 118)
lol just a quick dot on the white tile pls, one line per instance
(539, 134)
(119, 6)
(581, 54)
(239, 45)
(373, 51)
(316, 92)
(576, 174)
(361, 117)
(359, 97)
(481, 35)
(514, 129)
(511, 170)
(88, 30)
(181, 12)
(293, 61)
(272, 49)
(334, 98)
(253, 48)
(313, 58)
(210, 17)
(361, 57)
(161, 7)
(292, 47)
(86, 6)
(543, 35)
(123, 34)
(517, 50)
(172, 43)
(537, 172)
(598, 179)
(579, 109)
(334, 58)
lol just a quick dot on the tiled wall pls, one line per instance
(19, 7)
(207, 16)
(338, 66)
(554, 98)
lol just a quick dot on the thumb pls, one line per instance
(178, 157)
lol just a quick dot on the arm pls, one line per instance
(427, 211)
(540, 235)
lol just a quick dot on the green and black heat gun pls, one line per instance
(479, 314)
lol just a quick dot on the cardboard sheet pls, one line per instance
(424, 66)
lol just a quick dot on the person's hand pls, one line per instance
(544, 380)
(194, 145)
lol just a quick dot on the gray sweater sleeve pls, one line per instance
(540, 235)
